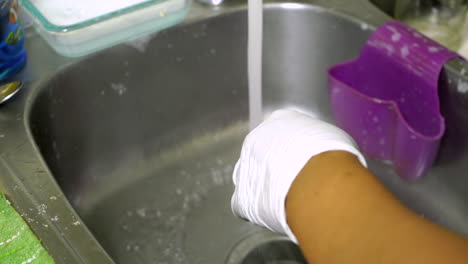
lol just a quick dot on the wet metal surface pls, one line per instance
(126, 156)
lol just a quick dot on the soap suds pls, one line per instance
(119, 88)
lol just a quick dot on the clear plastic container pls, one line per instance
(79, 29)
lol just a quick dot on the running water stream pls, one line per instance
(255, 62)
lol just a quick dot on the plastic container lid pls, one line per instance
(76, 28)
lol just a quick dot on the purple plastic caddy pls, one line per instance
(387, 99)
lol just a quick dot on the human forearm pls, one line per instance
(340, 213)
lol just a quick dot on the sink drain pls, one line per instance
(266, 248)
(275, 252)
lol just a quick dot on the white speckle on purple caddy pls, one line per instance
(396, 37)
(433, 49)
(389, 49)
(380, 44)
(404, 51)
(392, 29)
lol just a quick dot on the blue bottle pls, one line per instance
(5, 6)
(12, 51)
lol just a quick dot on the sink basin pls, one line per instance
(131, 150)
(143, 142)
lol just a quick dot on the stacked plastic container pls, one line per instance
(76, 28)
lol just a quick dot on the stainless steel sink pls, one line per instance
(143, 143)
(126, 156)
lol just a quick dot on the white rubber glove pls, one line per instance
(272, 156)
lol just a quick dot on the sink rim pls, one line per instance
(25, 146)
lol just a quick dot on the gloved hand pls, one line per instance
(272, 156)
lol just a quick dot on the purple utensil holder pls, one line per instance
(387, 99)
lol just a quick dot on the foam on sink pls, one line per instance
(151, 225)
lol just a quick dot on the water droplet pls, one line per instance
(141, 212)
(120, 88)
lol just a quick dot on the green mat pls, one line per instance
(18, 244)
